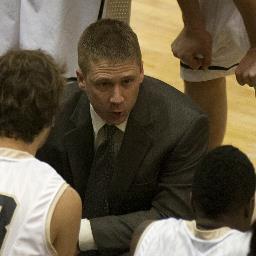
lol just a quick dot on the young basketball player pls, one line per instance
(39, 213)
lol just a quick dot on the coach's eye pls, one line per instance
(127, 82)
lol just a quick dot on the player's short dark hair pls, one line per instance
(30, 87)
(109, 40)
(223, 182)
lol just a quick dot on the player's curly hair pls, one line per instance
(223, 182)
(30, 87)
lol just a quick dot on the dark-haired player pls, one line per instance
(223, 202)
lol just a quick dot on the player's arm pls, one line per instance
(65, 223)
(247, 8)
(194, 44)
(246, 71)
(191, 14)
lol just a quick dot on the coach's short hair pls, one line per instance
(110, 40)
(223, 182)
(30, 87)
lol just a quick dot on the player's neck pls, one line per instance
(232, 221)
(18, 145)
(30, 148)
(222, 220)
(206, 224)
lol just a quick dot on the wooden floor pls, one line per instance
(157, 22)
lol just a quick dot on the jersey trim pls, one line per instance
(143, 235)
(211, 67)
(209, 234)
(49, 244)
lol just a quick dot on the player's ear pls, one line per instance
(249, 208)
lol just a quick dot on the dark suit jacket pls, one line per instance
(165, 137)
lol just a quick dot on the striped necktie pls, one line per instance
(96, 197)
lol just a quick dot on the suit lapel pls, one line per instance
(136, 143)
(79, 144)
(133, 150)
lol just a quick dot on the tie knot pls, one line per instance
(109, 131)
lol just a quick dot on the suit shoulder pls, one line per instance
(74, 102)
(168, 98)
(70, 95)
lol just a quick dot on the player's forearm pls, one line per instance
(191, 13)
(247, 8)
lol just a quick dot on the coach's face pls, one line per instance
(112, 88)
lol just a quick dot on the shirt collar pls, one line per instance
(98, 122)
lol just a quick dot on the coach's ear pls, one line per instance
(81, 79)
(141, 72)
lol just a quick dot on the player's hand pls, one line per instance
(246, 70)
(193, 47)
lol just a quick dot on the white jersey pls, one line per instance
(52, 25)
(230, 40)
(29, 191)
(182, 238)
